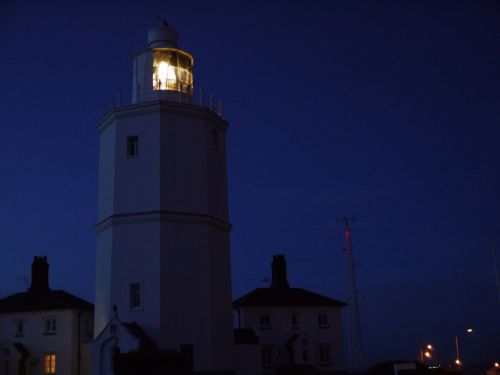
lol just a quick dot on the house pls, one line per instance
(45, 331)
(295, 327)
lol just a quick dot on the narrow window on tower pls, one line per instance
(135, 296)
(49, 326)
(19, 328)
(132, 146)
(215, 139)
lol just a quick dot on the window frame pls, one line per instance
(49, 363)
(267, 356)
(132, 146)
(19, 328)
(133, 294)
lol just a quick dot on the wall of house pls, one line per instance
(280, 336)
(63, 342)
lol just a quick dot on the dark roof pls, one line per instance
(284, 297)
(245, 336)
(145, 342)
(47, 300)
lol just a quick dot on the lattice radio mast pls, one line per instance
(356, 356)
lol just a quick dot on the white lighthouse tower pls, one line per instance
(163, 257)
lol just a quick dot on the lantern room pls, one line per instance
(162, 71)
(172, 70)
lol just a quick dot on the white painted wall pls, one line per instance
(167, 228)
(64, 343)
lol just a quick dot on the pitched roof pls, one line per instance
(47, 300)
(284, 297)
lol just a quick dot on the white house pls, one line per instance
(45, 331)
(296, 328)
(163, 261)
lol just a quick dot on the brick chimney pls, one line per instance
(279, 272)
(39, 275)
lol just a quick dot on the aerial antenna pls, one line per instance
(356, 355)
(163, 21)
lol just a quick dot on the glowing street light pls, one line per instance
(457, 346)
(497, 365)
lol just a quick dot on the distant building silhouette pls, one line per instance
(45, 331)
(299, 331)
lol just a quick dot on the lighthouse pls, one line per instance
(163, 254)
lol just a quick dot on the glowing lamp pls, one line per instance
(172, 70)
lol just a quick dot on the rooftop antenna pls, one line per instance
(356, 356)
(163, 21)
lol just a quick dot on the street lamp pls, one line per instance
(427, 353)
(458, 361)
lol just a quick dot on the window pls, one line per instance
(322, 321)
(215, 139)
(305, 356)
(50, 327)
(19, 327)
(265, 321)
(324, 354)
(49, 363)
(135, 296)
(112, 328)
(294, 321)
(132, 146)
(267, 356)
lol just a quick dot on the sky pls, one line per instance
(386, 111)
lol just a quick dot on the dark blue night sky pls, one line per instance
(387, 111)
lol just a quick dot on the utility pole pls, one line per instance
(494, 254)
(356, 356)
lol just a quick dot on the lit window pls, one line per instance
(132, 146)
(135, 295)
(50, 327)
(265, 321)
(322, 321)
(324, 354)
(172, 70)
(49, 363)
(19, 328)
(267, 356)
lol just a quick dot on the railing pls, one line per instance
(186, 94)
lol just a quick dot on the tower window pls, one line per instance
(50, 327)
(135, 296)
(49, 363)
(215, 139)
(133, 146)
(294, 321)
(19, 328)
